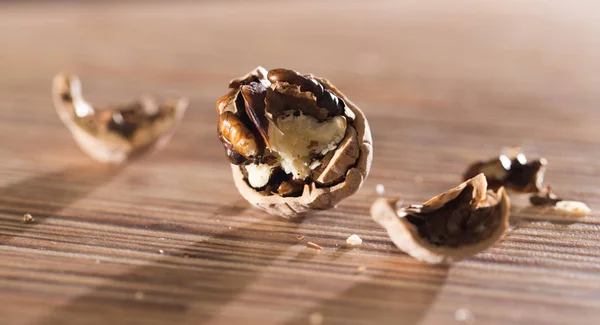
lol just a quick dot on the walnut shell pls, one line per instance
(478, 218)
(336, 163)
(513, 171)
(316, 197)
(115, 134)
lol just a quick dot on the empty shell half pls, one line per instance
(115, 134)
(451, 226)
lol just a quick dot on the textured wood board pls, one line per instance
(442, 83)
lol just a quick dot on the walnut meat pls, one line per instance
(113, 135)
(295, 142)
(451, 226)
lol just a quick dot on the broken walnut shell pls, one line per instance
(336, 163)
(451, 226)
(547, 198)
(514, 172)
(343, 169)
(113, 135)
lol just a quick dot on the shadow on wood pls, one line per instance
(378, 300)
(191, 282)
(46, 195)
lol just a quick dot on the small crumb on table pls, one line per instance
(464, 315)
(27, 218)
(354, 240)
(139, 295)
(361, 269)
(300, 237)
(313, 246)
(380, 189)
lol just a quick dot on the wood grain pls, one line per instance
(167, 239)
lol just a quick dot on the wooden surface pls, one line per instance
(167, 239)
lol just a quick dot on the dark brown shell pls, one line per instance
(514, 173)
(451, 226)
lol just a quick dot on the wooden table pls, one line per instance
(168, 240)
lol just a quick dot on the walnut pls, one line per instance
(451, 226)
(295, 142)
(115, 134)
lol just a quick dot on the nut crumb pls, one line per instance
(27, 218)
(464, 315)
(354, 240)
(139, 295)
(315, 318)
(572, 207)
(361, 269)
(300, 237)
(161, 251)
(313, 246)
(380, 189)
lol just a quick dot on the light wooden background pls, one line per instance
(443, 83)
